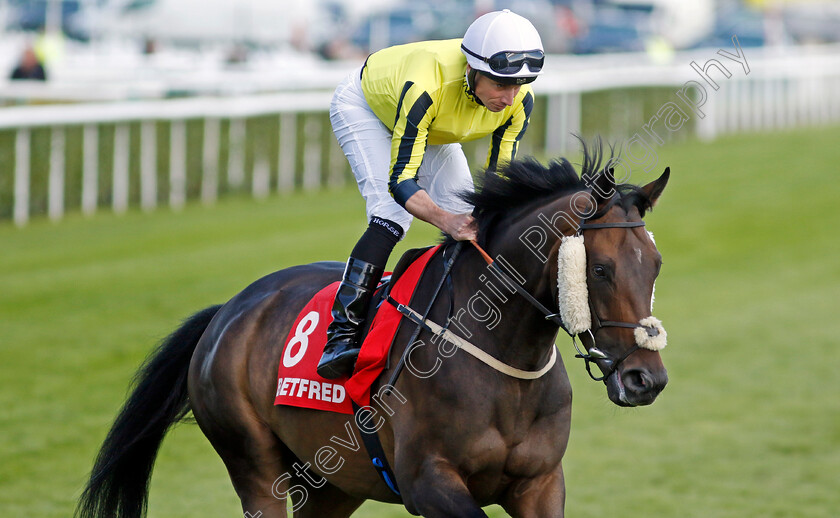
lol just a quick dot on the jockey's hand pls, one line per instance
(462, 227)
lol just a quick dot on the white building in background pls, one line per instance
(681, 22)
(261, 22)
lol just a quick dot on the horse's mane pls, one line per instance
(526, 181)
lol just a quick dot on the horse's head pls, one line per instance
(586, 253)
(621, 265)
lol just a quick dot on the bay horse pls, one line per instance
(458, 433)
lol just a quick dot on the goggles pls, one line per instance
(511, 62)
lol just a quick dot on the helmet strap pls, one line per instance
(471, 78)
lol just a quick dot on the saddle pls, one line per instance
(385, 284)
(299, 384)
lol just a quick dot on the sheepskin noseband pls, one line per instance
(573, 297)
(571, 285)
(651, 335)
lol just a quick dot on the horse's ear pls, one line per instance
(654, 189)
(603, 188)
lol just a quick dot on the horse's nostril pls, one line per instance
(637, 380)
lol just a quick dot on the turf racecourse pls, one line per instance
(748, 426)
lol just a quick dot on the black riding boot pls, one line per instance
(349, 311)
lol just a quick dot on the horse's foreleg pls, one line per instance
(541, 497)
(440, 492)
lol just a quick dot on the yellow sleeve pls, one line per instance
(505, 139)
(408, 144)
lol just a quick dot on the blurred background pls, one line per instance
(124, 103)
(156, 156)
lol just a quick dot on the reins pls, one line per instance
(471, 349)
(422, 322)
(590, 355)
(594, 355)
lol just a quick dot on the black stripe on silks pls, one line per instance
(528, 106)
(496, 144)
(405, 90)
(415, 115)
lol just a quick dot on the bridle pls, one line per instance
(592, 354)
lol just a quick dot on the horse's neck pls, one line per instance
(528, 241)
(507, 325)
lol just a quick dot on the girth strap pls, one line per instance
(374, 448)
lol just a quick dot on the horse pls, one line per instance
(459, 433)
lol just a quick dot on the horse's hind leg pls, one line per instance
(266, 478)
(259, 466)
(327, 502)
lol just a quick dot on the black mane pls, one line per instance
(526, 181)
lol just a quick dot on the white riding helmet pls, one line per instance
(504, 46)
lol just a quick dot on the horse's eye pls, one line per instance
(599, 271)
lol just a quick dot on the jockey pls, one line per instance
(400, 120)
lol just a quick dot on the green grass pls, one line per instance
(748, 425)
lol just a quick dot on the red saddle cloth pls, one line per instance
(297, 382)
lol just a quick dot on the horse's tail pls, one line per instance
(119, 482)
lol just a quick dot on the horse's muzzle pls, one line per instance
(635, 386)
